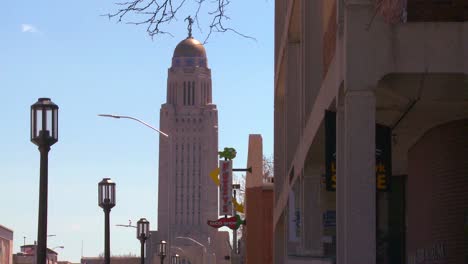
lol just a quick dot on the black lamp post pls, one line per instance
(175, 259)
(162, 250)
(44, 133)
(106, 190)
(143, 234)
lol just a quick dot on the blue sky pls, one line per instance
(88, 65)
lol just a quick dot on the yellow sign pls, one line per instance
(214, 176)
(381, 177)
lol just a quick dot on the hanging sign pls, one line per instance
(225, 187)
(233, 222)
(383, 154)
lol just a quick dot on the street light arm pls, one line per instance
(127, 226)
(194, 241)
(178, 248)
(138, 120)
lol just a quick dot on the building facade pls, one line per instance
(6, 245)
(347, 74)
(28, 255)
(187, 197)
(258, 235)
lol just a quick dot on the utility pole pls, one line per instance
(234, 255)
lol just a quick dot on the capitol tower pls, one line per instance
(187, 197)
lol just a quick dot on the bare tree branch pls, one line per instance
(158, 13)
(268, 167)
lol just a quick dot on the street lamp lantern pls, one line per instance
(143, 234)
(44, 122)
(143, 229)
(44, 133)
(175, 259)
(106, 200)
(162, 250)
(106, 193)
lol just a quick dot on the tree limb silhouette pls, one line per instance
(155, 14)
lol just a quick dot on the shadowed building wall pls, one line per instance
(259, 233)
(438, 195)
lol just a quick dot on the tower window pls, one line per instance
(204, 93)
(185, 94)
(193, 92)
(189, 93)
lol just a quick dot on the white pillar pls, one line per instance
(358, 188)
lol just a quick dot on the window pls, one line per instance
(185, 94)
(204, 92)
(175, 94)
(193, 93)
(189, 93)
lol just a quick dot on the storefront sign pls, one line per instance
(232, 222)
(383, 154)
(225, 187)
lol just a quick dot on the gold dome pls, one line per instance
(190, 47)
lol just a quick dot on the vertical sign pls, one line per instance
(383, 157)
(330, 150)
(225, 187)
(383, 154)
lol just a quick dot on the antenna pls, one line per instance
(81, 248)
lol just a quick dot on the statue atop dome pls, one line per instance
(189, 26)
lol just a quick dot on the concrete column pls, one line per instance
(280, 241)
(358, 189)
(356, 193)
(340, 180)
(312, 212)
(293, 98)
